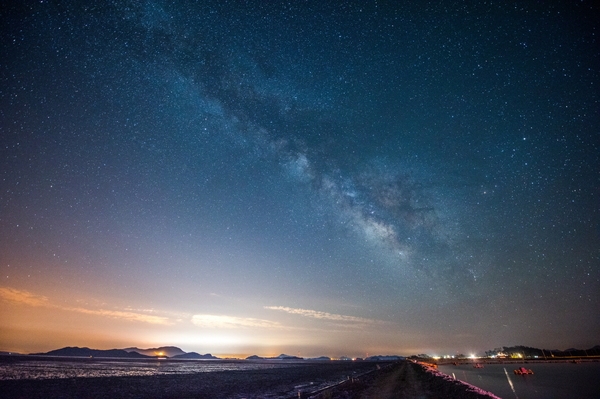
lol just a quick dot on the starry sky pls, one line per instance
(306, 177)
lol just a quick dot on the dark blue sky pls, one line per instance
(241, 178)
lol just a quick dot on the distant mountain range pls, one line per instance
(194, 355)
(280, 357)
(87, 352)
(171, 352)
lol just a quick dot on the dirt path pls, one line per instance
(396, 382)
(404, 380)
(401, 382)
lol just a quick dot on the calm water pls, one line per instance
(21, 367)
(550, 381)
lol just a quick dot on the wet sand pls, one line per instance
(334, 380)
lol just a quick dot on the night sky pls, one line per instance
(305, 177)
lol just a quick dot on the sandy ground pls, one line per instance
(358, 380)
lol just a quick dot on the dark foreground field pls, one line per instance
(360, 380)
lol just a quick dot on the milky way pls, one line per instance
(260, 178)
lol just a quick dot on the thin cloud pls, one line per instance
(117, 314)
(23, 297)
(27, 298)
(322, 315)
(221, 321)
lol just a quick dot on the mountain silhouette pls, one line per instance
(194, 355)
(163, 351)
(87, 352)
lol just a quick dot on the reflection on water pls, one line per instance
(550, 381)
(12, 368)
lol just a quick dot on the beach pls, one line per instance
(317, 380)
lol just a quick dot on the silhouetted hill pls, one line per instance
(287, 357)
(280, 357)
(194, 355)
(168, 351)
(87, 352)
